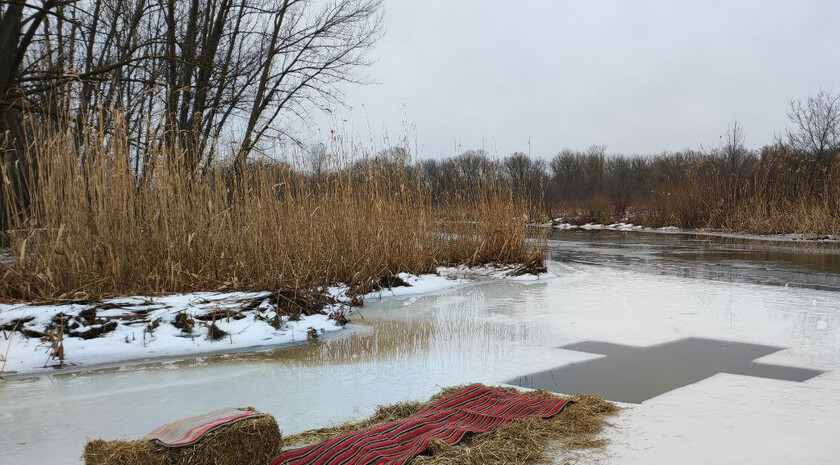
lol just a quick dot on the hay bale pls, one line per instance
(251, 441)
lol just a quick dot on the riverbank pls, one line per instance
(39, 339)
(560, 224)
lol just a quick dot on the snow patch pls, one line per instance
(140, 327)
(144, 327)
(629, 227)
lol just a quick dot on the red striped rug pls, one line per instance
(475, 409)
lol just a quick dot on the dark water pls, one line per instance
(814, 266)
(636, 374)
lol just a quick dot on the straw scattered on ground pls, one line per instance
(529, 441)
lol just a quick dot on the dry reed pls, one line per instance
(93, 227)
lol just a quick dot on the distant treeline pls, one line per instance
(790, 185)
(772, 190)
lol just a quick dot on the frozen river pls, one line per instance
(608, 290)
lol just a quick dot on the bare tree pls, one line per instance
(310, 47)
(566, 171)
(182, 74)
(518, 168)
(190, 70)
(20, 24)
(816, 124)
(734, 153)
(618, 182)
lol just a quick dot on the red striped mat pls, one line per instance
(475, 409)
(190, 430)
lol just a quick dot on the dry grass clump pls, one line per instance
(96, 226)
(529, 441)
(251, 441)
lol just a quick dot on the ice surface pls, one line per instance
(489, 331)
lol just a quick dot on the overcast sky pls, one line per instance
(639, 76)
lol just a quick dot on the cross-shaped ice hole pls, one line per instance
(636, 374)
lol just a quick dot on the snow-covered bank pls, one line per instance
(40, 338)
(630, 227)
(144, 327)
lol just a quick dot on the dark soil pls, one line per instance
(296, 303)
(534, 266)
(32, 333)
(17, 324)
(151, 327)
(88, 316)
(221, 315)
(388, 281)
(339, 317)
(94, 331)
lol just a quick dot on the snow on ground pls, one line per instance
(144, 327)
(608, 227)
(421, 284)
(703, 232)
(508, 272)
(445, 278)
(140, 328)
